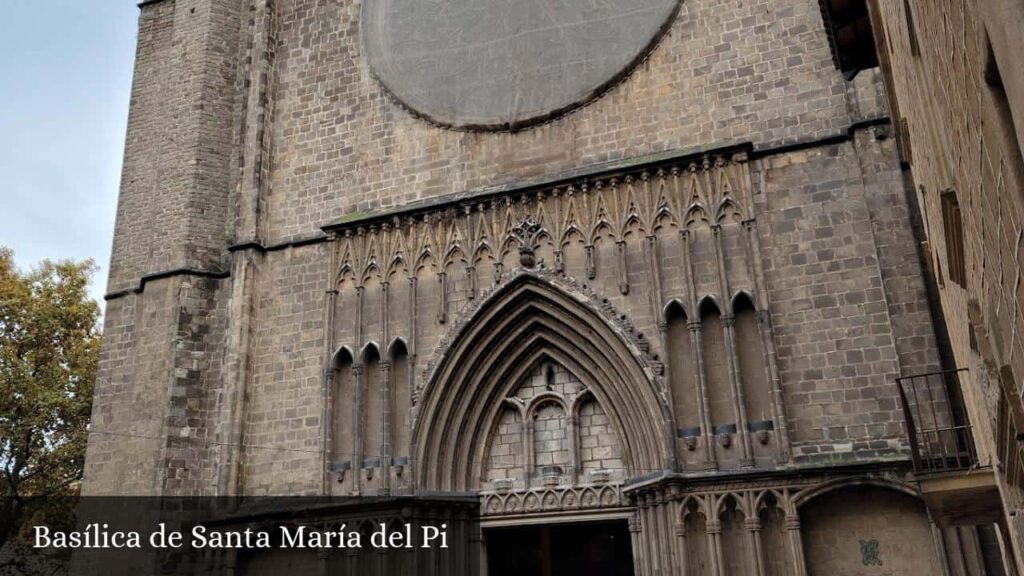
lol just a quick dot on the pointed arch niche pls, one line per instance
(343, 418)
(682, 373)
(540, 355)
(754, 376)
(552, 430)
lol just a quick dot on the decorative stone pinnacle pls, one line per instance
(528, 234)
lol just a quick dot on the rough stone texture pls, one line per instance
(305, 348)
(728, 71)
(175, 176)
(956, 83)
(842, 537)
(848, 318)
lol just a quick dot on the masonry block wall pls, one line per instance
(296, 257)
(283, 130)
(698, 289)
(956, 86)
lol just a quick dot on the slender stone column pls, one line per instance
(753, 526)
(796, 545)
(767, 340)
(385, 424)
(680, 545)
(714, 532)
(327, 381)
(329, 441)
(652, 263)
(669, 395)
(574, 445)
(357, 426)
(622, 267)
(591, 269)
(666, 549)
(738, 402)
(412, 319)
(648, 539)
(691, 286)
(411, 372)
(359, 319)
(634, 538)
(442, 282)
(732, 359)
(471, 281)
(703, 405)
(653, 539)
(481, 545)
(528, 433)
(693, 323)
(385, 390)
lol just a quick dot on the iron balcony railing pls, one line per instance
(937, 424)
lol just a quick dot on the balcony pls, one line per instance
(957, 489)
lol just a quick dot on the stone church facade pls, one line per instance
(672, 300)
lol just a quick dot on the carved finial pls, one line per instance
(528, 234)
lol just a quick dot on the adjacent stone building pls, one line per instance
(647, 271)
(955, 81)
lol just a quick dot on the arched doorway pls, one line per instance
(547, 404)
(530, 322)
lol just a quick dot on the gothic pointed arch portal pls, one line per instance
(535, 319)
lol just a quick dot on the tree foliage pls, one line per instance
(49, 348)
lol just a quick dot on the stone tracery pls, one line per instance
(653, 242)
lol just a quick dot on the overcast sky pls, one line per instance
(65, 77)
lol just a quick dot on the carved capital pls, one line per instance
(634, 525)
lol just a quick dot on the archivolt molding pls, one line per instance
(534, 315)
(876, 480)
(580, 292)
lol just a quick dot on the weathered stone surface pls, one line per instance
(725, 266)
(956, 86)
(506, 63)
